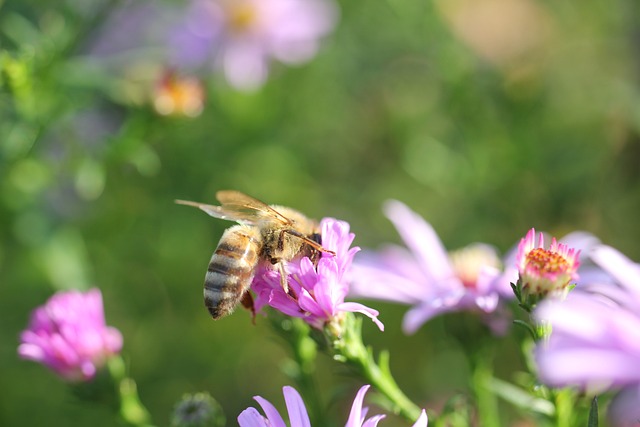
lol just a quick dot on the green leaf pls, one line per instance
(593, 413)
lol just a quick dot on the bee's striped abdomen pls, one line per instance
(231, 269)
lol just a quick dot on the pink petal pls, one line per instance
(363, 309)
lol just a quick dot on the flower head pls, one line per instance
(178, 95)
(299, 417)
(69, 335)
(241, 37)
(595, 338)
(546, 271)
(316, 292)
(426, 276)
(198, 410)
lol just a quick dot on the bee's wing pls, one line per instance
(237, 206)
(235, 201)
(244, 217)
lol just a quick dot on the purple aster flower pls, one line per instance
(426, 276)
(595, 332)
(241, 37)
(316, 292)
(69, 335)
(546, 271)
(298, 416)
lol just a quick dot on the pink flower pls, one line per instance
(69, 335)
(546, 271)
(298, 416)
(316, 293)
(426, 276)
(241, 37)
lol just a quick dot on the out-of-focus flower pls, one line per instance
(595, 338)
(316, 293)
(502, 32)
(69, 335)
(426, 276)
(546, 271)
(198, 410)
(241, 37)
(178, 95)
(298, 416)
(624, 409)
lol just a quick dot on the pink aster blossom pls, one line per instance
(298, 416)
(316, 293)
(426, 276)
(242, 37)
(546, 271)
(595, 332)
(69, 335)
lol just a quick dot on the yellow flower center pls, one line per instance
(242, 17)
(469, 261)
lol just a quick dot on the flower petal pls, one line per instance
(421, 238)
(355, 415)
(295, 406)
(363, 309)
(422, 420)
(250, 417)
(274, 417)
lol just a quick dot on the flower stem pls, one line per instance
(349, 348)
(132, 410)
(296, 333)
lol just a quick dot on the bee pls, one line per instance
(266, 235)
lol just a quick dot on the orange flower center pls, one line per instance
(547, 262)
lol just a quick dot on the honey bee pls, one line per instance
(266, 235)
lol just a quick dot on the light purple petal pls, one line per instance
(373, 421)
(619, 266)
(250, 417)
(274, 417)
(295, 406)
(421, 313)
(245, 65)
(587, 367)
(421, 238)
(355, 415)
(422, 420)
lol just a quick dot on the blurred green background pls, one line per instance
(487, 117)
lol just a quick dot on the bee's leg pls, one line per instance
(283, 276)
(247, 302)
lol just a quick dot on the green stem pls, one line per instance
(481, 379)
(296, 333)
(350, 349)
(132, 410)
(565, 405)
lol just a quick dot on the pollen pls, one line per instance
(547, 262)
